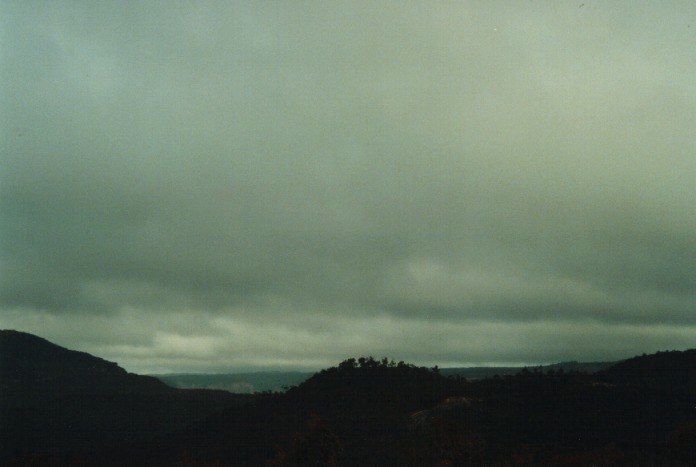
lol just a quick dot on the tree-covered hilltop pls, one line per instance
(367, 381)
(364, 404)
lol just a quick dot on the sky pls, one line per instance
(219, 186)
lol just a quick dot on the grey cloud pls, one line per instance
(442, 164)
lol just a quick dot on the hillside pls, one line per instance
(55, 401)
(34, 370)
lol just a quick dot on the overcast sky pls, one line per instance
(216, 186)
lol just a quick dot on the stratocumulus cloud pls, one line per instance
(211, 185)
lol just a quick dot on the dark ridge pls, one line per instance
(56, 401)
(24, 355)
(367, 382)
(669, 368)
(35, 370)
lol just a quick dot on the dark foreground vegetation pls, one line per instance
(60, 407)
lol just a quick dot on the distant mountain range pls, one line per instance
(241, 383)
(62, 407)
(490, 371)
(262, 381)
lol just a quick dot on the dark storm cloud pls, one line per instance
(291, 184)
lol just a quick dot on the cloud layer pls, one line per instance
(205, 186)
